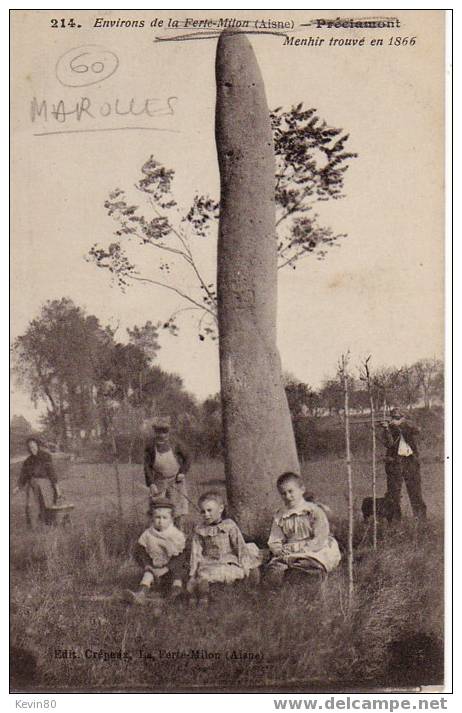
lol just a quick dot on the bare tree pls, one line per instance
(343, 376)
(366, 376)
(429, 376)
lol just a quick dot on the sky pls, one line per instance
(379, 292)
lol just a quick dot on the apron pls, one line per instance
(39, 497)
(165, 469)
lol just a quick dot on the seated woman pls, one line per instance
(39, 479)
(299, 537)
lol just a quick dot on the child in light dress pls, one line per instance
(218, 550)
(158, 551)
(300, 536)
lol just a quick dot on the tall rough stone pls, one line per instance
(259, 441)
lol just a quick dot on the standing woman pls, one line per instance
(165, 466)
(39, 479)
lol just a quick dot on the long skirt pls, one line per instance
(214, 572)
(40, 496)
(328, 557)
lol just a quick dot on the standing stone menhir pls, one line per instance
(259, 441)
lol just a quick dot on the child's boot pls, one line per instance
(138, 597)
(254, 577)
(202, 594)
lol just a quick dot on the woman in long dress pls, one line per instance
(38, 478)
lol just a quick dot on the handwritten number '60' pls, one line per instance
(83, 66)
(96, 67)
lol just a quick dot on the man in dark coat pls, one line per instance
(165, 466)
(402, 464)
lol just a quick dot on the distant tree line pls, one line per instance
(317, 413)
(418, 385)
(101, 393)
(93, 385)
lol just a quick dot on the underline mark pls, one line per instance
(116, 128)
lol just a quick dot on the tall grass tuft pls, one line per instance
(392, 634)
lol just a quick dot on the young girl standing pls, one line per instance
(300, 537)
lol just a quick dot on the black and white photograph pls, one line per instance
(227, 423)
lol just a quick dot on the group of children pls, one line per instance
(299, 539)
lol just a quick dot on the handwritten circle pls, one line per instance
(86, 65)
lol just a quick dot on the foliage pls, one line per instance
(430, 379)
(20, 429)
(20, 426)
(311, 161)
(302, 399)
(93, 385)
(57, 359)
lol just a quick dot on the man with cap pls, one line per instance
(165, 466)
(402, 464)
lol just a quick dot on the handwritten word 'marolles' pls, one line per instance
(85, 108)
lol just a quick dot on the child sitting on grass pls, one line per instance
(158, 551)
(218, 550)
(299, 537)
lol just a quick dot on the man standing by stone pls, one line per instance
(165, 466)
(402, 463)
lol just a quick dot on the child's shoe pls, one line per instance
(138, 597)
(176, 590)
(254, 577)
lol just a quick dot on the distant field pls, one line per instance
(392, 636)
(92, 487)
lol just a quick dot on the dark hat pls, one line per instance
(162, 422)
(157, 503)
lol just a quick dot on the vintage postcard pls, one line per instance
(227, 422)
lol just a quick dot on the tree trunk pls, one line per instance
(350, 490)
(259, 441)
(374, 456)
(115, 465)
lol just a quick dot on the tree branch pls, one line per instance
(178, 292)
(186, 253)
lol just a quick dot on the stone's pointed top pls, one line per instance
(236, 63)
(238, 39)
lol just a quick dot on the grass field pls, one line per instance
(62, 582)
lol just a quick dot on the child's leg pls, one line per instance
(139, 597)
(274, 574)
(178, 567)
(203, 590)
(140, 556)
(199, 589)
(254, 576)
